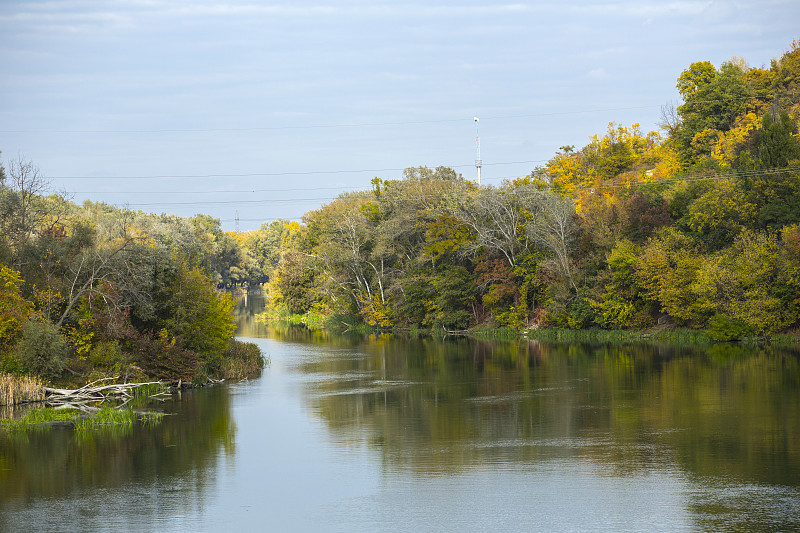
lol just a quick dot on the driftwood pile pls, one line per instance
(89, 397)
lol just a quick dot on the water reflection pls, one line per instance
(727, 417)
(435, 407)
(345, 433)
(53, 470)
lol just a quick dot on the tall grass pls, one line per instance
(677, 336)
(312, 320)
(20, 389)
(242, 360)
(500, 334)
(40, 417)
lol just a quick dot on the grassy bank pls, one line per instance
(685, 337)
(311, 319)
(675, 336)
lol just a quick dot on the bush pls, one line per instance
(241, 360)
(160, 356)
(41, 351)
(723, 328)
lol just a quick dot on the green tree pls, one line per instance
(191, 309)
(712, 102)
(41, 350)
(454, 295)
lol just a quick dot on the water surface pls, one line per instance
(386, 434)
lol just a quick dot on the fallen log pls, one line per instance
(92, 393)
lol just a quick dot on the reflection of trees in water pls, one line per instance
(435, 406)
(62, 463)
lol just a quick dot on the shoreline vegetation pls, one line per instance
(666, 335)
(104, 402)
(687, 234)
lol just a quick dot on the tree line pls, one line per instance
(91, 290)
(695, 226)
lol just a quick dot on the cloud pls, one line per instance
(598, 74)
(720, 10)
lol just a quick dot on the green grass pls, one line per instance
(677, 336)
(500, 334)
(106, 416)
(785, 340)
(680, 336)
(39, 417)
(312, 320)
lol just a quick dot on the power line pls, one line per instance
(372, 124)
(609, 184)
(223, 191)
(277, 174)
(231, 202)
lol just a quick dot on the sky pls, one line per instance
(266, 110)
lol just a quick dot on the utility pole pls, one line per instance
(237, 222)
(478, 160)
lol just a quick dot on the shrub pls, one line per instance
(41, 350)
(723, 328)
(160, 356)
(241, 360)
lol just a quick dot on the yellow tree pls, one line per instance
(14, 308)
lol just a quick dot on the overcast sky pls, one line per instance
(271, 109)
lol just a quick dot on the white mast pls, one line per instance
(478, 160)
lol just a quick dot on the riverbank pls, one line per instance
(666, 335)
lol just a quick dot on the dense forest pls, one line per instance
(695, 226)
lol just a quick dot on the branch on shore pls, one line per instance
(90, 394)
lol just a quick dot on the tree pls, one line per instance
(41, 350)
(750, 282)
(668, 270)
(498, 218)
(712, 102)
(197, 314)
(14, 308)
(775, 144)
(554, 230)
(454, 294)
(24, 210)
(720, 214)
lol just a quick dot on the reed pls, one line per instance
(782, 340)
(20, 389)
(105, 416)
(676, 336)
(242, 360)
(501, 334)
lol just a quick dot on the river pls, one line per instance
(386, 434)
